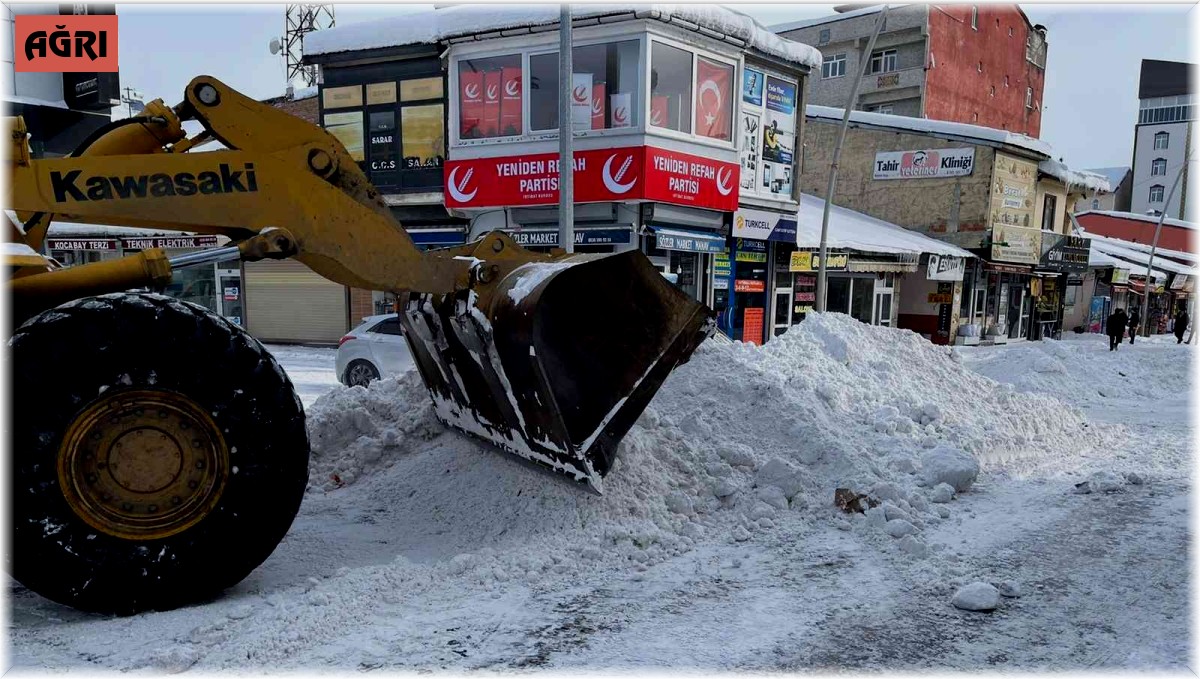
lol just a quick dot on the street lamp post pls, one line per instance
(566, 155)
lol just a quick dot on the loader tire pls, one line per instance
(159, 454)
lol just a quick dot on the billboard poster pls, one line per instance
(659, 107)
(491, 104)
(751, 149)
(470, 103)
(598, 110)
(752, 86)
(1014, 186)
(779, 136)
(621, 111)
(924, 163)
(510, 101)
(581, 101)
(1016, 244)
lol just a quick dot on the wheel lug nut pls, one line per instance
(152, 508)
(162, 414)
(175, 500)
(193, 485)
(91, 478)
(126, 506)
(200, 465)
(195, 443)
(184, 425)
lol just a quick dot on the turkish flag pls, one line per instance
(470, 103)
(659, 107)
(491, 104)
(713, 99)
(598, 109)
(510, 101)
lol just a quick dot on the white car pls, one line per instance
(374, 349)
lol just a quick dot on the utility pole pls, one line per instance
(566, 156)
(837, 154)
(1145, 329)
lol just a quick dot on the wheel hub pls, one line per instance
(143, 465)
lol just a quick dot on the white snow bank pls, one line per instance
(462, 20)
(1082, 178)
(926, 126)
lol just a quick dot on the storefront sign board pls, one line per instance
(945, 268)
(177, 242)
(1014, 188)
(764, 225)
(752, 325)
(81, 244)
(549, 238)
(1017, 244)
(1065, 253)
(925, 163)
(747, 285)
(804, 260)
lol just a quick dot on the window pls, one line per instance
(423, 143)
(824, 37)
(1095, 204)
(1006, 81)
(1028, 97)
(975, 117)
(1049, 207)
(881, 108)
(1156, 193)
(834, 66)
(883, 61)
(605, 87)
(974, 18)
(382, 129)
(341, 97)
(979, 67)
(482, 111)
(670, 88)
(1010, 32)
(1158, 167)
(993, 92)
(1071, 296)
(1161, 140)
(348, 129)
(388, 326)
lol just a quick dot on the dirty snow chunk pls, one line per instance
(1133, 478)
(977, 596)
(947, 464)
(724, 488)
(898, 528)
(1082, 488)
(913, 546)
(781, 473)
(891, 511)
(941, 493)
(943, 512)
(740, 534)
(842, 524)
(773, 496)
(1106, 482)
(1049, 364)
(679, 503)
(876, 518)
(761, 510)
(1009, 589)
(737, 455)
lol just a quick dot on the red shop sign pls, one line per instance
(752, 325)
(601, 175)
(741, 285)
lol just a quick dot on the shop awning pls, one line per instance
(850, 230)
(1118, 249)
(687, 241)
(1098, 259)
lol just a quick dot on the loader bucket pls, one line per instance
(563, 361)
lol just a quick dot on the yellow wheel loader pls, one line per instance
(159, 453)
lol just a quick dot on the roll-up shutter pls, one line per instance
(288, 302)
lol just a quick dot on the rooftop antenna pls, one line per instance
(300, 20)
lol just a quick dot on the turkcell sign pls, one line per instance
(924, 164)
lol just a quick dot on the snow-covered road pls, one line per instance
(430, 551)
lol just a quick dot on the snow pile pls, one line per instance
(355, 430)
(463, 20)
(1081, 178)
(738, 439)
(923, 125)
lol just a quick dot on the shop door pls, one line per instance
(884, 290)
(783, 311)
(230, 284)
(1018, 312)
(686, 267)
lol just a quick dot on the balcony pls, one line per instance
(893, 80)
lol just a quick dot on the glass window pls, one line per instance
(670, 87)
(341, 97)
(1158, 167)
(823, 36)
(480, 110)
(834, 66)
(1095, 204)
(862, 298)
(1028, 97)
(348, 129)
(1071, 295)
(423, 143)
(883, 61)
(389, 326)
(1161, 140)
(382, 126)
(1049, 206)
(974, 17)
(714, 99)
(1156, 193)
(604, 92)
(381, 93)
(837, 295)
(421, 88)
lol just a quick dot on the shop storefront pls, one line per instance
(1062, 257)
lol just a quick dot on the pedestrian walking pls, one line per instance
(1116, 328)
(1135, 318)
(1181, 324)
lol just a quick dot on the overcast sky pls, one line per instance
(1090, 102)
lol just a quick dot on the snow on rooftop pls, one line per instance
(1116, 247)
(936, 127)
(1114, 174)
(463, 20)
(796, 25)
(853, 230)
(1081, 178)
(304, 93)
(1141, 218)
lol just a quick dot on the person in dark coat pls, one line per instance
(1116, 328)
(1181, 324)
(1135, 317)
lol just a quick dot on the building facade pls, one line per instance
(978, 64)
(1161, 138)
(1120, 179)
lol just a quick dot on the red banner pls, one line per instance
(598, 108)
(659, 110)
(601, 175)
(713, 99)
(470, 100)
(491, 104)
(510, 101)
(748, 285)
(684, 179)
(752, 325)
(65, 43)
